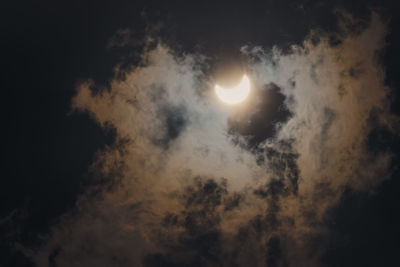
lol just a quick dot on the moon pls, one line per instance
(236, 94)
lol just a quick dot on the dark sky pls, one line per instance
(50, 46)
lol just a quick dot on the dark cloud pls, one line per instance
(175, 121)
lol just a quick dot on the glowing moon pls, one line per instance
(236, 94)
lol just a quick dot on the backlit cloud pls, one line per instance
(190, 181)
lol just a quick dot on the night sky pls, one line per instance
(118, 153)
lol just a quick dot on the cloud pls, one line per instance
(192, 182)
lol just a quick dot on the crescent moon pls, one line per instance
(236, 94)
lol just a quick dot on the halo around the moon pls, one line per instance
(236, 94)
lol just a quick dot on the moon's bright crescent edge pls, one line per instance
(236, 94)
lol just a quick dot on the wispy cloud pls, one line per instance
(181, 185)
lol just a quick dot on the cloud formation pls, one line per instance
(190, 181)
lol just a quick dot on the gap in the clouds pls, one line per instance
(260, 118)
(364, 227)
(51, 183)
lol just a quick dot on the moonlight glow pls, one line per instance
(236, 94)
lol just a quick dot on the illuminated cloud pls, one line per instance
(186, 182)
